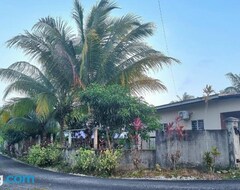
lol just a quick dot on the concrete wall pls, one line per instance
(147, 158)
(192, 147)
(209, 113)
(69, 156)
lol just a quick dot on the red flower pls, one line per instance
(137, 123)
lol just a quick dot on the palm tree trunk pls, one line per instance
(62, 124)
(108, 139)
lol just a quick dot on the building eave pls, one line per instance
(215, 97)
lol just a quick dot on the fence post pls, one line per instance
(70, 138)
(95, 142)
(39, 139)
(233, 140)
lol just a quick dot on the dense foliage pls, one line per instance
(114, 108)
(104, 163)
(44, 156)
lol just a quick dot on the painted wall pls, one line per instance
(209, 113)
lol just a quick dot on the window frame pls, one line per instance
(198, 125)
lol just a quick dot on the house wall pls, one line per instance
(192, 147)
(209, 113)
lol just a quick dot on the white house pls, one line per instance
(199, 114)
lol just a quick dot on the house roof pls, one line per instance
(215, 97)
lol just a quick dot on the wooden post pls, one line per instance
(51, 138)
(95, 140)
(233, 141)
(39, 139)
(70, 138)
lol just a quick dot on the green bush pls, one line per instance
(107, 162)
(44, 156)
(85, 161)
(209, 158)
(103, 164)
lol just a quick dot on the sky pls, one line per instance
(204, 35)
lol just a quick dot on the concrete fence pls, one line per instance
(146, 158)
(189, 150)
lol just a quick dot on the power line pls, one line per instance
(166, 43)
(163, 26)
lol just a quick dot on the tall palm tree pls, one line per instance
(207, 91)
(185, 96)
(235, 80)
(114, 50)
(105, 50)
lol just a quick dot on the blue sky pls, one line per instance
(202, 34)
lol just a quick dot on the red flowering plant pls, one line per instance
(137, 124)
(174, 129)
(177, 129)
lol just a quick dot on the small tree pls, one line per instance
(114, 108)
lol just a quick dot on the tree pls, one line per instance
(114, 108)
(114, 51)
(235, 80)
(106, 50)
(185, 96)
(43, 103)
(207, 91)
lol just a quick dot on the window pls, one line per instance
(197, 125)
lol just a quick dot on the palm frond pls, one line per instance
(45, 104)
(98, 16)
(33, 44)
(22, 106)
(143, 84)
(27, 87)
(235, 80)
(55, 28)
(24, 124)
(78, 17)
(31, 71)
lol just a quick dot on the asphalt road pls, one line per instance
(57, 181)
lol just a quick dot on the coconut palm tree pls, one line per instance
(43, 102)
(114, 50)
(207, 91)
(185, 96)
(105, 50)
(235, 80)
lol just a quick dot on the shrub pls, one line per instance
(44, 156)
(85, 161)
(103, 164)
(107, 161)
(209, 158)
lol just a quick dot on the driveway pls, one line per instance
(59, 181)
